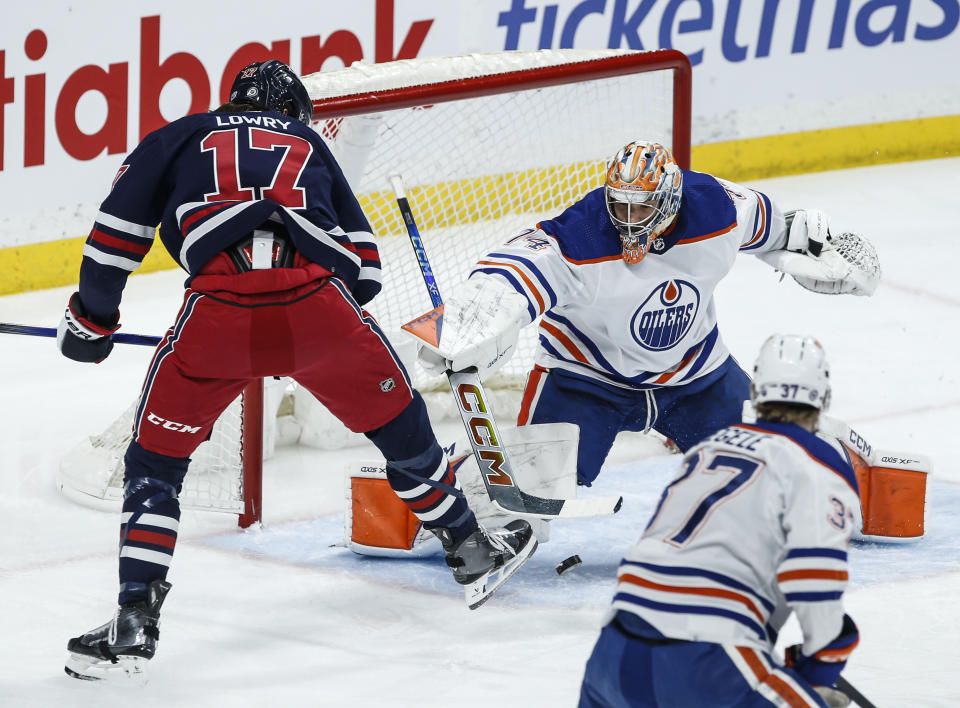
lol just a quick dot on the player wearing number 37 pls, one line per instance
(624, 281)
(754, 527)
(281, 260)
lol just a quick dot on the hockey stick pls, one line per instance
(495, 468)
(853, 694)
(118, 337)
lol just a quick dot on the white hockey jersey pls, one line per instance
(756, 525)
(644, 325)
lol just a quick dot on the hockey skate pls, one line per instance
(483, 561)
(121, 647)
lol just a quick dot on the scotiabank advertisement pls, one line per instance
(81, 83)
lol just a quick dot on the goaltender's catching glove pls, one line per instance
(823, 261)
(82, 337)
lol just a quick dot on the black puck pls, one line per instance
(568, 564)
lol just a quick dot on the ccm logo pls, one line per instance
(171, 425)
(859, 443)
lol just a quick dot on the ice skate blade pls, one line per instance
(130, 670)
(479, 591)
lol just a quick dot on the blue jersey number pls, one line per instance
(740, 471)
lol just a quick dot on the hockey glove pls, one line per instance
(823, 261)
(809, 231)
(82, 337)
(824, 667)
(480, 326)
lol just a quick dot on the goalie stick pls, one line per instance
(495, 468)
(118, 337)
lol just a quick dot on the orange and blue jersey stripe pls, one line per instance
(761, 223)
(684, 590)
(524, 277)
(564, 341)
(813, 574)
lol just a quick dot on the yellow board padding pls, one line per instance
(37, 266)
(830, 149)
(57, 263)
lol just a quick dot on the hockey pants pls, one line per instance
(686, 414)
(316, 334)
(655, 672)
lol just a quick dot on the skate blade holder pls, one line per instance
(478, 592)
(129, 670)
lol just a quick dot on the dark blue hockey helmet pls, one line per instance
(272, 84)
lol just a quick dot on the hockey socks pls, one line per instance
(150, 519)
(419, 473)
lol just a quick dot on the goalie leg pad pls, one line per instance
(380, 518)
(892, 494)
(378, 522)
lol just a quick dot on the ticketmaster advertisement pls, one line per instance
(82, 83)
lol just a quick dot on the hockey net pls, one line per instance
(487, 145)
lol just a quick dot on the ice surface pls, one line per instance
(280, 616)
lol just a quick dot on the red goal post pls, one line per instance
(488, 144)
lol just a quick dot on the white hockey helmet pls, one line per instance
(793, 369)
(643, 189)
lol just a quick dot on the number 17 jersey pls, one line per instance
(208, 180)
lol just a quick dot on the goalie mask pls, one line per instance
(273, 85)
(791, 369)
(643, 189)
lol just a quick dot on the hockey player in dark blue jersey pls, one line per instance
(280, 261)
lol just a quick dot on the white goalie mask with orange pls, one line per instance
(643, 190)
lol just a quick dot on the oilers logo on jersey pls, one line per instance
(666, 315)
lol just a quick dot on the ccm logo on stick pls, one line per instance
(481, 426)
(171, 425)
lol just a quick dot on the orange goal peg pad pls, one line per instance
(380, 518)
(892, 498)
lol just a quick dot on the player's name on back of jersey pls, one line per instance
(739, 437)
(266, 121)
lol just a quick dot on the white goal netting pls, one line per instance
(487, 146)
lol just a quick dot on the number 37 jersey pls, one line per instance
(208, 180)
(756, 525)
